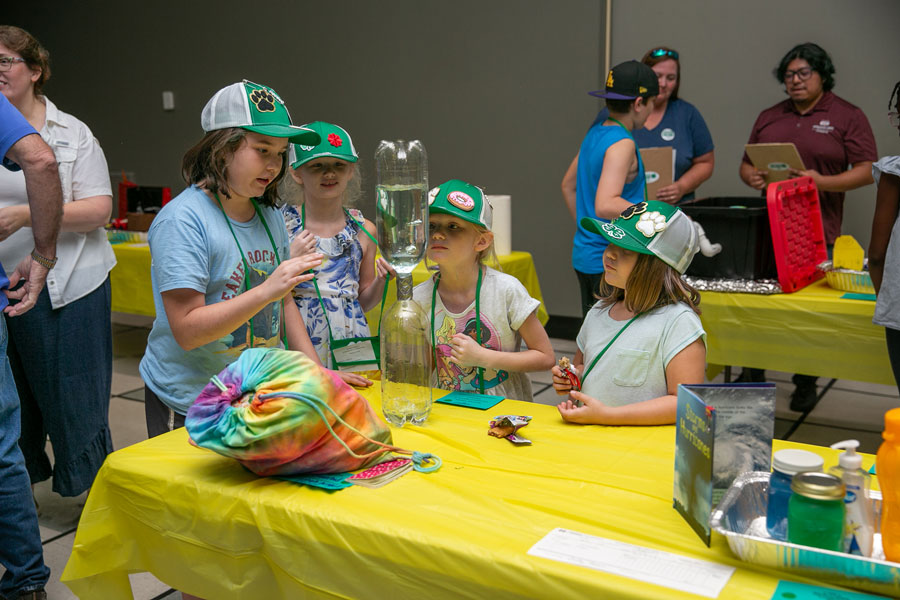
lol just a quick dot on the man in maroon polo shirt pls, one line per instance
(834, 140)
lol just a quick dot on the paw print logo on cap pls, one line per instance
(651, 223)
(264, 100)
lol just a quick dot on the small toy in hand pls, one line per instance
(506, 426)
(568, 369)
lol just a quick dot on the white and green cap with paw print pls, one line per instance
(256, 108)
(651, 227)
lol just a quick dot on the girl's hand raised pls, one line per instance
(465, 351)
(290, 273)
(590, 411)
(383, 268)
(561, 383)
(304, 243)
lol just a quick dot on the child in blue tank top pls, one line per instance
(610, 174)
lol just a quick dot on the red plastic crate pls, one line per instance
(798, 236)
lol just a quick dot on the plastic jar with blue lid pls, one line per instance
(786, 464)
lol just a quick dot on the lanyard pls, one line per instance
(636, 152)
(434, 290)
(602, 352)
(247, 266)
(319, 294)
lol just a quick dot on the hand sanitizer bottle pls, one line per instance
(859, 526)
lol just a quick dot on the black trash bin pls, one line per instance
(741, 225)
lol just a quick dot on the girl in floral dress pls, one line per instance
(349, 281)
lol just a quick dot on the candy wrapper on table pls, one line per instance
(507, 426)
(279, 413)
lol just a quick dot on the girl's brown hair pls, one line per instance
(651, 284)
(204, 165)
(36, 56)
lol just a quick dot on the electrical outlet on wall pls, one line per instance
(168, 99)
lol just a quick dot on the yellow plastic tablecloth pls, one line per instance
(812, 331)
(132, 292)
(203, 524)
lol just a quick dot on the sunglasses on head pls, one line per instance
(663, 52)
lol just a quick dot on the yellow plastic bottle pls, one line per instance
(888, 471)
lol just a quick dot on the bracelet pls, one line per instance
(45, 262)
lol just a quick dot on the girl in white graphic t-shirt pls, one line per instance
(479, 316)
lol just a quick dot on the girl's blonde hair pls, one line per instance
(651, 284)
(293, 192)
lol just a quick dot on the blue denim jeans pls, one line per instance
(21, 551)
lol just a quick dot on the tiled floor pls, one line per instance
(849, 410)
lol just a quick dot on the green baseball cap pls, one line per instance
(334, 141)
(651, 227)
(463, 200)
(256, 108)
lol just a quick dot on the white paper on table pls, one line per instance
(636, 562)
(501, 207)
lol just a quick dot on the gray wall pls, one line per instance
(494, 88)
(728, 51)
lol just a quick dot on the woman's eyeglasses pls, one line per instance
(659, 52)
(6, 62)
(802, 74)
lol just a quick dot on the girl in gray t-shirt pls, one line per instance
(643, 337)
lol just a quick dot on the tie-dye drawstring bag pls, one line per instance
(279, 413)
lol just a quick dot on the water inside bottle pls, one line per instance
(402, 225)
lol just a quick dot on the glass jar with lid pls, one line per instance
(816, 511)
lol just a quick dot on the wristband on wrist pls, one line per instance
(45, 262)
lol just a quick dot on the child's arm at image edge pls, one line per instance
(295, 330)
(685, 367)
(371, 283)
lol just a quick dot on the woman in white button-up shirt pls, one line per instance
(61, 350)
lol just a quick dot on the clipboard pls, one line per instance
(777, 159)
(659, 168)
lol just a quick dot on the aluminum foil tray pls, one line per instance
(847, 280)
(741, 518)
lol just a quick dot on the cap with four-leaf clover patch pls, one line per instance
(463, 200)
(651, 227)
(334, 142)
(256, 108)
